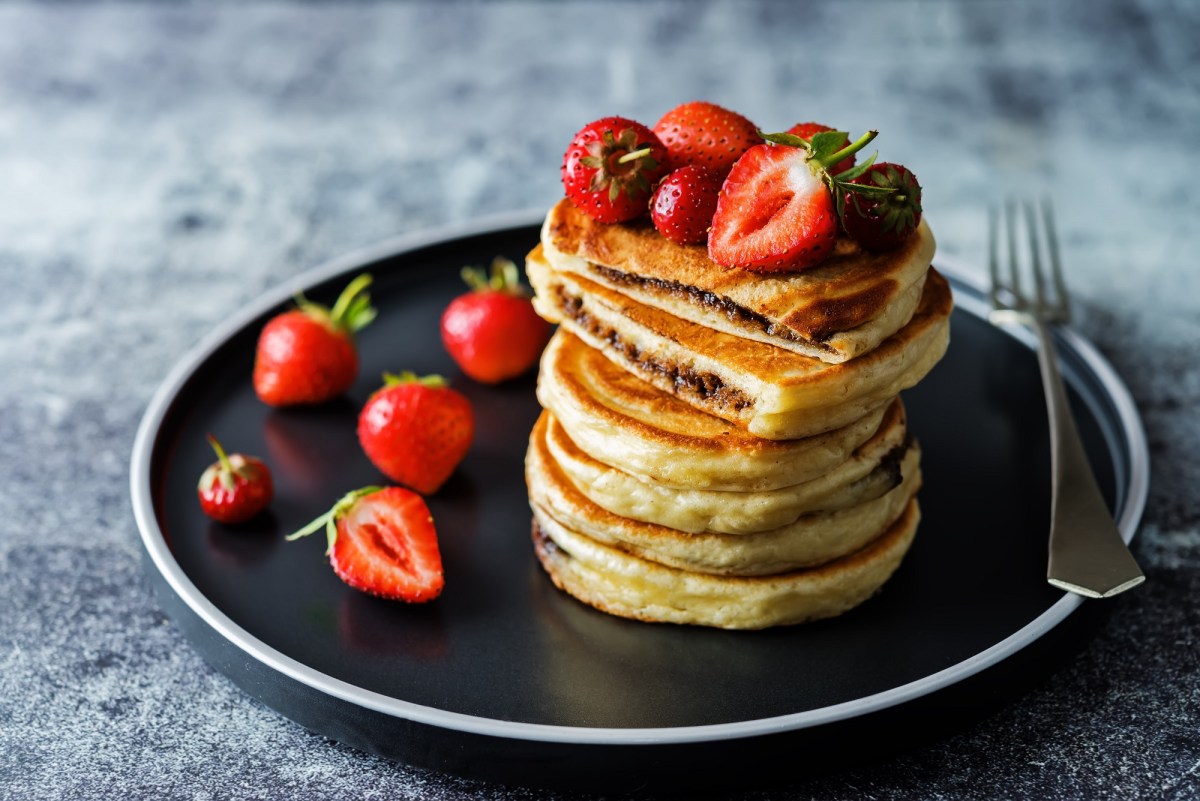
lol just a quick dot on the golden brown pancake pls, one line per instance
(834, 311)
(771, 392)
(622, 584)
(808, 540)
(620, 420)
(872, 470)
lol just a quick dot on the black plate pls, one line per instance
(504, 677)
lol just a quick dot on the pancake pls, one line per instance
(623, 584)
(771, 392)
(620, 420)
(809, 540)
(872, 470)
(838, 310)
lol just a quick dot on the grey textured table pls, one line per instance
(160, 167)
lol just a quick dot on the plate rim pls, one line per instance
(155, 544)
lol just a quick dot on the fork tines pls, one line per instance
(1049, 294)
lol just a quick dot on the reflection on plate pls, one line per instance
(504, 677)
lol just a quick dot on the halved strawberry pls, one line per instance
(382, 541)
(778, 210)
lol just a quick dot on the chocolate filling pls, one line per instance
(733, 312)
(543, 543)
(683, 380)
(892, 459)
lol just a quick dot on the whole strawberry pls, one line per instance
(416, 430)
(780, 208)
(883, 222)
(706, 134)
(383, 541)
(234, 488)
(807, 130)
(492, 332)
(307, 355)
(684, 203)
(610, 167)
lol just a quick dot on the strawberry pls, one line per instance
(610, 166)
(492, 332)
(416, 430)
(683, 205)
(706, 134)
(779, 208)
(307, 355)
(234, 488)
(382, 541)
(806, 130)
(885, 222)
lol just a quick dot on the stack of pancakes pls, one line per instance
(722, 447)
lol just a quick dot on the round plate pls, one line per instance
(504, 677)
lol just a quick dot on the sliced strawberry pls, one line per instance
(776, 211)
(383, 541)
(684, 203)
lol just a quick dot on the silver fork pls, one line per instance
(1087, 554)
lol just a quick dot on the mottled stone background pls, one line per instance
(162, 165)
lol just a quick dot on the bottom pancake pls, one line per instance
(624, 585)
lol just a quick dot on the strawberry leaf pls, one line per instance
(409, 377)
(328, 521)
(849, 175)
(791, 140)
(824, 144)
(866, 190)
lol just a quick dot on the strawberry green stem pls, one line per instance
(633, 155)
(505, 277)
(848, 150)
(409, 377)
(221, 456)
(353, 310)
(328, 521)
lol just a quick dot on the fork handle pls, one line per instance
(1087, 554)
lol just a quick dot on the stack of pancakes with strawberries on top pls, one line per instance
(725, 445)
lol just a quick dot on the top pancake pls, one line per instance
(835, 311)
(770, 392)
